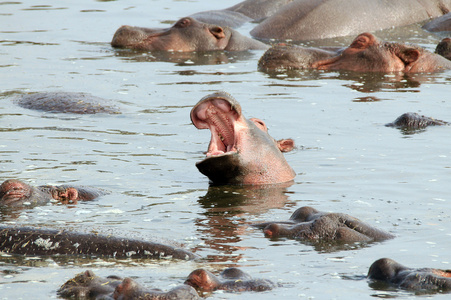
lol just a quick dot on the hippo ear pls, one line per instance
(409, 55)
(218, 32)
(285, 145)
(363, 41)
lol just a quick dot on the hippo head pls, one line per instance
(185, 35)
(241, 151)
(14, 192)
(367, 54)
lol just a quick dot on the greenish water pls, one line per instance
(346, 159)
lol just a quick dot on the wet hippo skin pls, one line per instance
(15, 193)
(307, 223)
(234, 280)
(426, 279)
(240, 151)
(186, 35)
(87, 285)
(38, 241)
(67, 102)
(365, 54)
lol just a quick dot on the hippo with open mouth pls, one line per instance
(241, 151)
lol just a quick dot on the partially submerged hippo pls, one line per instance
(365, 54)
(241, 150)
(238, 14)
(442, 23)
(444, 48)
(67, 102)
(235, 280)
(184, 36)
(426, 279)
(307, 223)
(87, 285)
(413, 121)
(38, 241)
(303, 20)
(17, 193)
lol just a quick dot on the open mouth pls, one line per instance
(220, 116)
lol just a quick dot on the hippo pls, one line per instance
(40, 241)
(238, 14)
(235, 281)
(87, 285)
(15, 193)
(365, 54)
(186, 35)
(444, 48)
(413, 121)
(425, 279)
(67, 102)
(307, 223)
(303, 20)
(241, 151)
(442, 23)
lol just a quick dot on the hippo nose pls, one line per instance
(218, 32)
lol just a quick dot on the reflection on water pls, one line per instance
(226, 207)
(358, 81)
(184, 58)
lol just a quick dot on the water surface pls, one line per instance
(346, 159)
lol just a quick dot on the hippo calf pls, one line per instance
(67, 102)
(16, 193)
(365, 54)
(413, 121)
(235, 280)
(426, 279)
(241, 151)
(87, 285)
(186, 35)
(307, 223)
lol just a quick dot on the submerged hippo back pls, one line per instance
(65, 102)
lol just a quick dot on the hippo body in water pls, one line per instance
(425, 279)
(37, 241)
(234, 280)
(365, 54)
(442, 23)
(87, 285)
(66, 102)
(15, 193)
(303, 20)
(241, 150)
(237, 15)
(186, 35)
(413, 121)
(307, 223)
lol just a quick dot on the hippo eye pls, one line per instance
(183, 23)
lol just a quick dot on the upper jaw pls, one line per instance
(219, 113)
